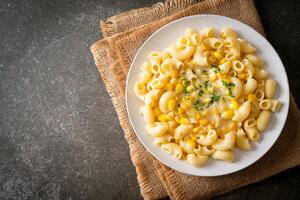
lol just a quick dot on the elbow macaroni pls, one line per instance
(205, 95)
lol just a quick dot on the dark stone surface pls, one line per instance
(59, 134)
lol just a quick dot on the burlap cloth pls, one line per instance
(124, 34)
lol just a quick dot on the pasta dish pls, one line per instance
(205, 95)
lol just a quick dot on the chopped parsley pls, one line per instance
(206, 84)
(229, 87)
(186, 98)
(214, 98)
(204, 72)
(212, 66)
(201, 92)
(198, 105)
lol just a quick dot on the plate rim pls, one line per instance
(130, 71)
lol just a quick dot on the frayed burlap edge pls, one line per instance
(122, 22)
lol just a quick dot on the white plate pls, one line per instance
(166, 36)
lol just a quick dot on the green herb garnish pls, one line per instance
(229, 87)
(198, 105)
(206, 84)
(204, 72)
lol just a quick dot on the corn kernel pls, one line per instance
(174, 81)
(196, 129)
(242, 76)
(168, 87)
(198, 116)
(174, 73)
(178, 88)
(231, 126)
(156, 111)
(163, 118)
(170, 117)
(207, 100)
(234, 105)
(203, 122)
(204, 112)
(218, 55)
(228, 114)
(204, 47)
(222, 61)
(171, 104)
(180, 111)
(183, 120)
(215, 111)
(212, 125)
(191, 143)
(251, 97)
(190, 88)
(194, 137)
(177, 119)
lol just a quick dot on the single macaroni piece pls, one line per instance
(147, 114)
(157, 129)
(162, 139)
(242, 113)
(172, 149)
(270, 88)
(182, 130)
(227, 156)
(241, 140)
(196, 160)
(208, 139)
(206, 94)
(227, 143)
(246, 47)
(263, 120)
(182, 54)
(255, 60)
(228, 33)
(251, 130)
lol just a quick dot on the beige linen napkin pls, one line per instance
(124, 34)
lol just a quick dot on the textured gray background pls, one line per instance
(59, 134)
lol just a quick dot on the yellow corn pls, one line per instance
(183, 120)
(204, 47)
(215, 111)
(223, 60)
(234, 105)
(174, 81)
(156, 111)
(218, 55)
(190, 88)
(163, 118)
(228, 114)
(242, 76)
(190, 142)
(198, 116)
(174, 73)
(180, 111)
(205, 112)
(171, 104)
(231, 126)
(251, 97)
(178, 88)
(206, 100)
(168, 86)
(196, 129)
(211, 125)
(203, 122)
(177, 119)
(194, 137)
(170, 117)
